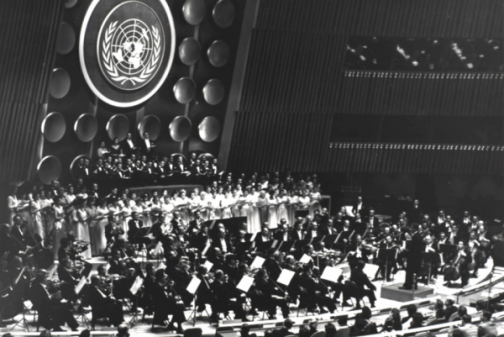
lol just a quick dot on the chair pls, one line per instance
(319, 334)
(193, 332)
(305, 303)
(352, 291)
(81, 313)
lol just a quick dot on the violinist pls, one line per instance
(225, 299)
(177, 222)
(222, 242)
(366, 288)
(167, 302)
(104, 304)
(52, 313)
(297, 233)
(204, 293)
(315, 292)
(271, 295)
(273, 263)
(195, 225)
(69, 277)
(328, 229)
(312, 231)
(282, 234)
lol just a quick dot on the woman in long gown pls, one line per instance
(47, 216)
(92, 212)
(235, 207)
(262, 206)
(293, 201)
(82, 227)
(315, 198)
(36, 212)
(282, 201)
(60, 224)
(255, 217)
(167, 208)
(13, 203)
(99, 231)
(183, 205)
(272, 210)
(146, 205)
(194, 203)
(126, 212)
(226, 203)
(203, 205)
(304, 201)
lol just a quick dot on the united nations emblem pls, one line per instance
(130, 49)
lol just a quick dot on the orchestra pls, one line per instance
(215, 235)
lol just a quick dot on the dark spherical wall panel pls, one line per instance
(60, 83)
(218, 53)
(70, 3)
(194, 11)
(184, 90)
(189, 51)
(214, 91)
(49, 169)
(86, 127)
(150, 124)
(224, 13)
(180, 128)
(66, 38)
(118, 126)
(209, 129)
(53, 127)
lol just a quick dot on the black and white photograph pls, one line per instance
(252, 168)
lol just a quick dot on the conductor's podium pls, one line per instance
(392, 292)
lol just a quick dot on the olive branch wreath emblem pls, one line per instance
(111, 67)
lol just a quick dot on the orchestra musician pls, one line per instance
(47, 301)
(270, 295)
(224, 300)
(364, 285)
(167, 302)
(103, 303)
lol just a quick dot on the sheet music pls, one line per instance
(136, 285)
(305, 259)
(370, 270)
(257, 263)
(245, 283)
(193, 285)
(331, 274)
(205, 250)
(208, 265)
(285, 277)
(80, 285)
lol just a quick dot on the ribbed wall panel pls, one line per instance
(267, 142)
(27, 49)
(408, 18)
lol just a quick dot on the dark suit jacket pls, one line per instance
(39, 296)
(361, 279)
(280, 236)
(132, 225)
(217, 243)
(295, 235)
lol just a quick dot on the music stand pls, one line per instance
(430, 258)
(287, 246)
(387, 255)
(329, 240)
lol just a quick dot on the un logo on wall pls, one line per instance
(133, 53)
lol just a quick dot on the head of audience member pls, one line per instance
(123, 330)
(486, 316)
(457, 333)
(411, 309)
(330, 330)
(417, 321)
(85, 333)
(244, 330)
(268, 333)
(305, 331)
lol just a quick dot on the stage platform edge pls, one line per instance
(392, 292)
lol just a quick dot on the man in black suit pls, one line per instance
(134, 226)
(282, 234)
(264, 236)
(104, 305)
(222, 242)
(52, 313)
(129, 145)
(147, 145)
(415, 212)
(177, 222)
(297, 233)
(312, 231)
(366, 288)
(224, 300)
(328, 229)
(358, 206)
(413, 258)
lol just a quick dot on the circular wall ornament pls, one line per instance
(126, 49)
(53, 127)
(86, 127)
(49, 169)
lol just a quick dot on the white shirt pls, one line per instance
(223, 245)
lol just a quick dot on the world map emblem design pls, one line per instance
(130, 50)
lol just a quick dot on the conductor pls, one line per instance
(413, 258)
